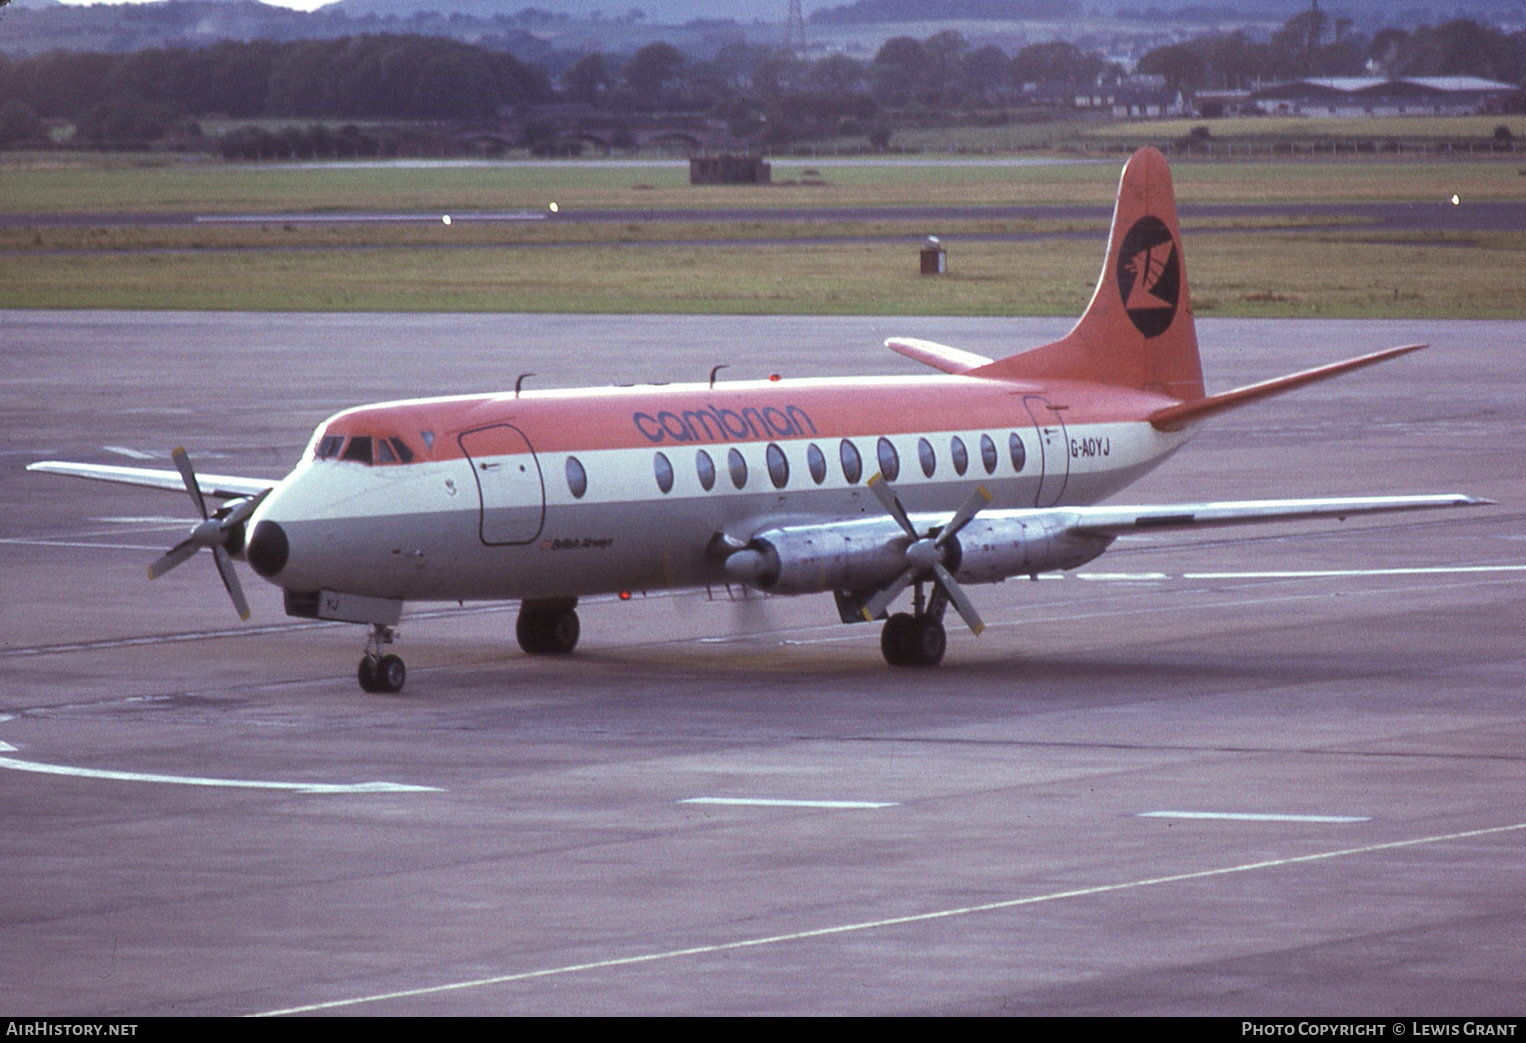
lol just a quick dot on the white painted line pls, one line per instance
(1122, 576)
(1245, 816)
(233, 219)
(132, 454)
(6, 747)
(767, 802)
(190, 780)
(1428, 570)
(23, 542)
(897, 921)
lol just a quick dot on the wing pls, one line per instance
(220, 486)
(1122, 520)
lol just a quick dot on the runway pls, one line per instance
(1266, 771)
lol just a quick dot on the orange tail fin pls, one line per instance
(1137, 331)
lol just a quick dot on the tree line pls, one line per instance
(766, 93)
(1312, 44)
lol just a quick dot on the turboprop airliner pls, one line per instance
(865, 488)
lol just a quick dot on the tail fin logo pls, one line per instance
(1149, 276)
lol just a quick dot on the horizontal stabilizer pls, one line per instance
(218, 486)
(938, 356)
(1125, 520)
(1173, 418)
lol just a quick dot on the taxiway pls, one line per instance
(1274, 771)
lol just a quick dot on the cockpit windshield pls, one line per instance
(364, 449)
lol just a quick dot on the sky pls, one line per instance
(657, 10)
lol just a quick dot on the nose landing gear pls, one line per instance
(378, 672)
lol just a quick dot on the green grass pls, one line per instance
(828, 265)
(1340, 274)
(212, 187)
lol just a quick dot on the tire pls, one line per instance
(391, 674)
(548, 631)
(366, 675)
(896, 639)
(928, 643)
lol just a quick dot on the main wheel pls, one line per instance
(896, 639)
(548, 631)
(929, 642)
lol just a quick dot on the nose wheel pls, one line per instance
(380, 673)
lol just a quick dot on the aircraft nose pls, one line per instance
(268, 549)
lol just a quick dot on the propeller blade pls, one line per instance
(956, 597)
(212, 533)
(242, 510)
(188, 475)
(881, 600)
(230, 581)
(179, 553)
(892, 504)
(977, 502)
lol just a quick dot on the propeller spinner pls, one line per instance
(215, 532)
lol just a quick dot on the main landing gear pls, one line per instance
(548, 627)
(917, 638)
(378, 672)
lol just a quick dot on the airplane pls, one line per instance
(862, 487)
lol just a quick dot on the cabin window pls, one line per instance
(927, 457)
(359, 449)
(329, 446)
(664, 470)
(890, 460)
(852, 463)
(778, 466)
(705, 468)
(988, 454)
(577, 478)
(737, 464)
(816, 460)
(959, 454)
(1018, 450)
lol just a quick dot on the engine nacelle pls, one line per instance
(869, 553)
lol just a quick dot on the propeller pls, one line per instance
(926, 554)
(215, 532)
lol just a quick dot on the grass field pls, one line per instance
(828, 265)
(212, 187)
(1283, 273)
